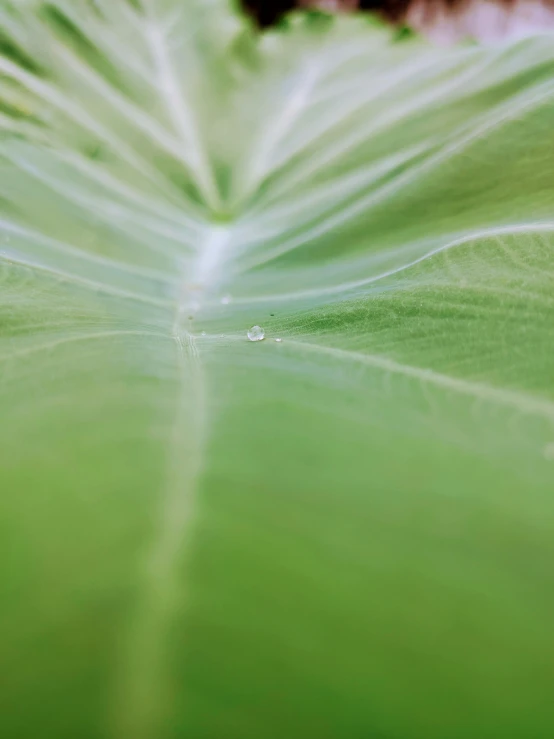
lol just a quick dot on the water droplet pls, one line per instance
(256, 333)
(203, 333)
(225, 300)
(278, 340)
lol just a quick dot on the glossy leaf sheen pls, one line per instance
(345, 534)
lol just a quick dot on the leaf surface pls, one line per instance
(345, 533)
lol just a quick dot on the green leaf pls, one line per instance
(346, 533)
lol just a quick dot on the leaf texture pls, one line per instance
(345, 533)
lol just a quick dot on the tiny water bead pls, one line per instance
(256, 333)
(278, 340)
(225, 300)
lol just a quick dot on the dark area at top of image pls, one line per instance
(268, 12)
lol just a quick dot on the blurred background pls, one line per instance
(444, 21)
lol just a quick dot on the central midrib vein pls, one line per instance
(143, 693)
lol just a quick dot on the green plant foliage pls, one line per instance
(345, 534)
